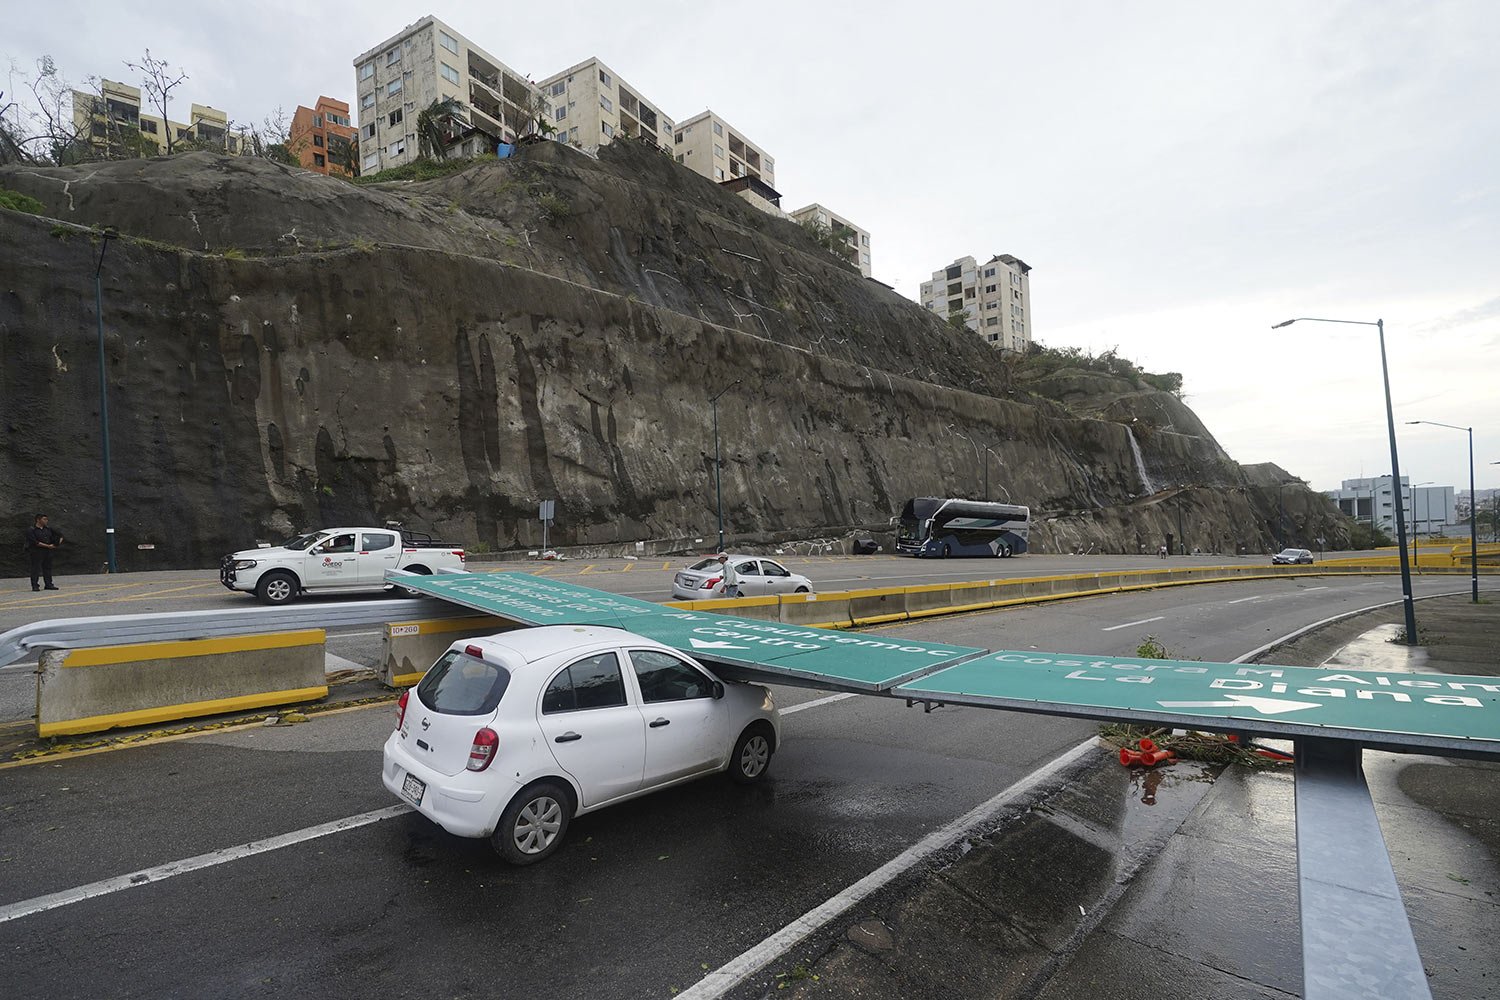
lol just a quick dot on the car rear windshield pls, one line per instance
(459, 684)
(702, 564)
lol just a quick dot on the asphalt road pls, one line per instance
(644, 899)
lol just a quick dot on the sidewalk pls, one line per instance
(1215, 913)
(1176, 883)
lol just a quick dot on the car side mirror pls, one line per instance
(718, 690)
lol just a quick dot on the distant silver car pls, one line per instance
(1291, 557)
(758, 576)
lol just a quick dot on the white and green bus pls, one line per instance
(932, 526)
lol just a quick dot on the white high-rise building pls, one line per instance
(593, 106)
(855, 238)
(993, 298)
(425, 62)
(1429, 510)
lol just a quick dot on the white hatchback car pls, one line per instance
(703, 580)
(512, 735)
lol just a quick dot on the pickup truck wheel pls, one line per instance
(277, 587)
(408, 592)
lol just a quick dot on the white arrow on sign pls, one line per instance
(700, 644)
(1265, 706)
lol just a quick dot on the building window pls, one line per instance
(560, 112)
(393, 56)
(396, 148)
(366, 71)
(448, 73)
(318, 141)
(718, 129)
(607, 130)
(448, 42)
(368, 101)
(370, 131)
(734, 167)
(372, 160)
(394, 87)
(865, 240)
(681, 158)
(148, 127)
(989, 272)
(319, 161)
(559, 88)
(718, 173)
(604, 103)
(990, 288)
(679, 138)
(992, 321)
(718, 151)
(396, 116)
(604, 78)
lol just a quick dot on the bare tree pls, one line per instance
(158, 80)
(40, 123)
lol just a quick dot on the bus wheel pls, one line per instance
(1004, 551)
(947, 550)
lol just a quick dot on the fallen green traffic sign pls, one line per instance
(744, 647)
(1454, 713)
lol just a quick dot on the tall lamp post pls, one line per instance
(1390, 420)
(109, 493)
(990, 452)
(1473, 513)
(718, 488)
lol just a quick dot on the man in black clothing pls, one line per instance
(41, 542)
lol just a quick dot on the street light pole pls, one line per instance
(1473, 512)
(109, 493)
(718, 487)
(1390, 421)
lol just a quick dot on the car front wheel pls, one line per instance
(752, 754)
(277, 588)
(533, 825)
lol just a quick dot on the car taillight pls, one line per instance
(710, 584)
(459, 553)
(486, 742)
(475, 652)
(401, 707)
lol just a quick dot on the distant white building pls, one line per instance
(856, 239)
(994, 298)
(1429, 510)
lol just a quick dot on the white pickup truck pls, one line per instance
(335, 561)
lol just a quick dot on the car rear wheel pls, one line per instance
(277, 587)
(752, 754)
(533, 825)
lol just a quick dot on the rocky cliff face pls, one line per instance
(286, 350)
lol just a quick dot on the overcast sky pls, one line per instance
(1180, 175)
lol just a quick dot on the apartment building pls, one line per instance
(994, 298)
(429, 61)
(1429, 510)
(115, 123)
(854, 238)
(708, 145)
(591, 106)
(323, 139)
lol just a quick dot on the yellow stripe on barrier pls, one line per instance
(437, 626)
(165, 713)
(407, 680)
(106, 655)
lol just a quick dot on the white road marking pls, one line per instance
(1307, 590)
(1242, 600)
(1143, 621)
(818, 702)
(146, 876)
(732, 973)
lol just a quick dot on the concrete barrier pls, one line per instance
(91, 690)
(409, 648)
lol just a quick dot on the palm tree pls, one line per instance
(432, 127)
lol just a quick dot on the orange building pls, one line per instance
(323, 140)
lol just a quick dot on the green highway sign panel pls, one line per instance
(532, 600)
(740, 647)
(1404, 711)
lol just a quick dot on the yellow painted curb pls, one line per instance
(164, 713)
(106, 655)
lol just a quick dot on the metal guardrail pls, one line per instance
(121, 630)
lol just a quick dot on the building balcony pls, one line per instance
(755, 186)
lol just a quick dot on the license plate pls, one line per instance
(682, 581)
(412, 788)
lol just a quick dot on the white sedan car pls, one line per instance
(704, 579)
(512, 735)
